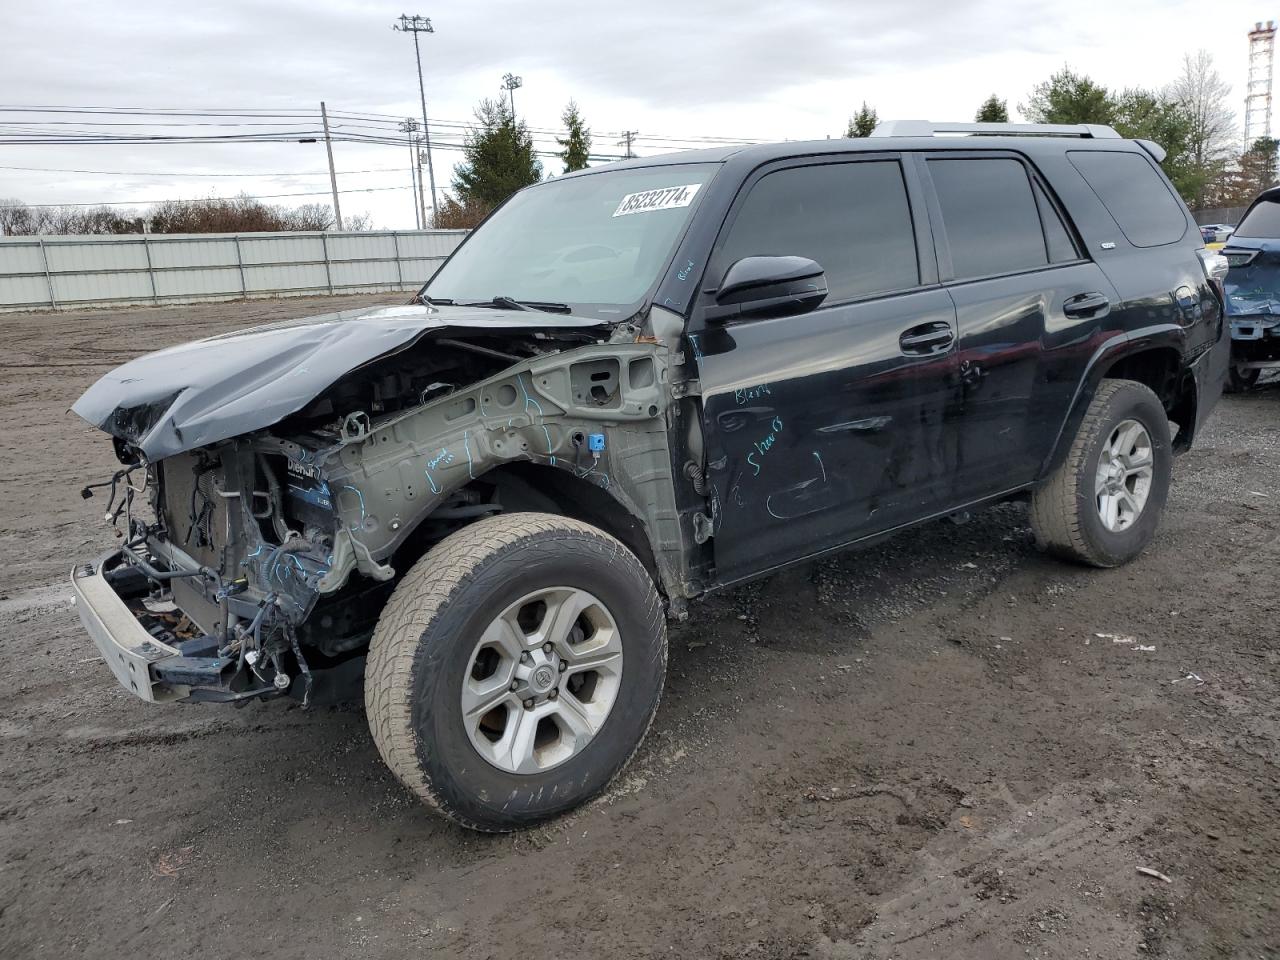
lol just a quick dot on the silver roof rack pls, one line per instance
(927, 128)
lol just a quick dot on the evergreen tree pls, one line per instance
(576, 147)
(1069, 97)
(863, 122)
(1149, 115)
(498, 158)
(993, 110)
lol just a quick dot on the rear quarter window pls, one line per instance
(1142, 205)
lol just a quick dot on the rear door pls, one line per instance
(832, 425)
(1029, 310)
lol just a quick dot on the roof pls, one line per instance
(754, 154)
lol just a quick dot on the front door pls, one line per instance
(830, 426)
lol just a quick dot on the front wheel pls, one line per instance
(515, 669)
(1102, 505)
(1241, 378)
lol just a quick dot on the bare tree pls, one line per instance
(1201, 95)
(241, 214)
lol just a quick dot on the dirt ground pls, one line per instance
(935, 748)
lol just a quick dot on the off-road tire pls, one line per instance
(1064, 512)
(428, 630)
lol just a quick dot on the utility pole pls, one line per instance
(333, 177)
(410, 127)
(417, 25)
(511, 84)
(426, 222)
(628, 136)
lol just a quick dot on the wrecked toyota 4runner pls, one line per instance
(631, 386)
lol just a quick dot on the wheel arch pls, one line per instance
(1154, 358)
(532, 487)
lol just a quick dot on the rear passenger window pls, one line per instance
(990, 216)
(852, 218)
(1057, 240)
(1143, 207)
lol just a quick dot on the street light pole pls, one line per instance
(417, 25)
(409, 127)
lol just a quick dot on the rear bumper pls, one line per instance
(127, 648)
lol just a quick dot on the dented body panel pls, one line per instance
(199, 393)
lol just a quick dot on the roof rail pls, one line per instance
(927, 128)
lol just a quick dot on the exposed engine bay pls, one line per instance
(264, 559)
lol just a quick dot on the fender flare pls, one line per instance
(1157, 336)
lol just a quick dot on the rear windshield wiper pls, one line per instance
(510, 303)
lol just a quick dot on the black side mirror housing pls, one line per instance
(759, 287)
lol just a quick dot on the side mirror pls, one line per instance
(757, 287)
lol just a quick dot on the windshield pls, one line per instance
(596, 243)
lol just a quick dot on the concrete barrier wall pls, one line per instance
(59, 272)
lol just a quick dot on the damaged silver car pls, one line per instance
(628, 387)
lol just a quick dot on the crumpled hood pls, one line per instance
(198, 393)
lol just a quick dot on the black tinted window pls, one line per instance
(990, 216)
(1262, 221)
(1062, 249)
(852, 218)
(1143, 207)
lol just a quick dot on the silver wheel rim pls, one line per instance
(542, 680)
(1126, 467)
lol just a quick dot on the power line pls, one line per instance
(366, 119)
(177, 173)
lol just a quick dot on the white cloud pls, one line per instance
(793, 71)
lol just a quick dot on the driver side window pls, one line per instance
(852, 218)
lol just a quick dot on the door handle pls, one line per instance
(1084, 305)
(927, 339)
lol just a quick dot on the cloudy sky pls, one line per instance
(671, 70)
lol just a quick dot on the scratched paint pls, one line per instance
(764, 445)
(747, 394)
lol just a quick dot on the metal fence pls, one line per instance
(60, 272)
(1229, 215)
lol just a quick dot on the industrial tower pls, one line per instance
(1257, 101)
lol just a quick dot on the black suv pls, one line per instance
(629, 387)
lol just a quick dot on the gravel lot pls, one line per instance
(930, 749)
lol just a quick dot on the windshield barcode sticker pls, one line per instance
(665, 199)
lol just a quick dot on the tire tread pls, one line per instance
(430, 586)
(1055, 510)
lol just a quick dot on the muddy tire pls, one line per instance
(1102, 505)
(516, 669)
(1241, 379)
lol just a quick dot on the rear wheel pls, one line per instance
(515, 669)
(1102, 505)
